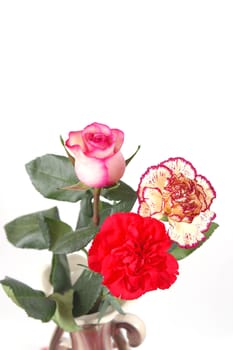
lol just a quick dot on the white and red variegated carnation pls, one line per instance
(174, 189)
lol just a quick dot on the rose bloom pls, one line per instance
(131, 252)
(173, 189)
(96, 149)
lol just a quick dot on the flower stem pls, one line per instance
(74, 342)
(96, 206)
(56, 338)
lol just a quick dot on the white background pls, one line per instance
(162, 71)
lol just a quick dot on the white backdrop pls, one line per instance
(159, 70)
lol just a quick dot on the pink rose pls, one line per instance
(96, 149)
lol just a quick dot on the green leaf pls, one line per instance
(121, 192)
(34, 302)
(129, 159)
(115, 303)
(106, 209)
(121, 197)
(9, 292)
(123, 206)
(109, 209)
(31, 231)
(110, 301)
(63, 315)
(74, 241)
(103, 308)
(86, 210)
(50, 174)
(60, 273)
(87, 289)
(57, 230)
(181, 253)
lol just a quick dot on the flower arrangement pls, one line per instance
(128, 253)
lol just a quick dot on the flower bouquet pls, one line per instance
(130, 240)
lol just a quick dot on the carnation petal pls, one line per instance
(131, 253)
(208, 188)
(185, 234)
(179, 165)
(154, 177)
(144, 209)
(190, 234)
(153, 198)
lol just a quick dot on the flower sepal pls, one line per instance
(79, 186)
(133, 155)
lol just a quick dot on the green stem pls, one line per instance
(85, 251)
(96, 206)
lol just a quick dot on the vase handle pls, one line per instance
(135, 330)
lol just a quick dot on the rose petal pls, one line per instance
(101, 141)
(85, 167)
(97, 128)
(118, 139)
(98, 140)
(75, 141)
(99, 172)
(116, 168)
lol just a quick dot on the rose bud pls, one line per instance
(96, 149)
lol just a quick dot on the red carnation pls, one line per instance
(131, 252)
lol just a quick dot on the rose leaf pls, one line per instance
(75, 240)
(34, 302)
(50, 174)
(87, 289)
(60, 273)
(31, 231)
